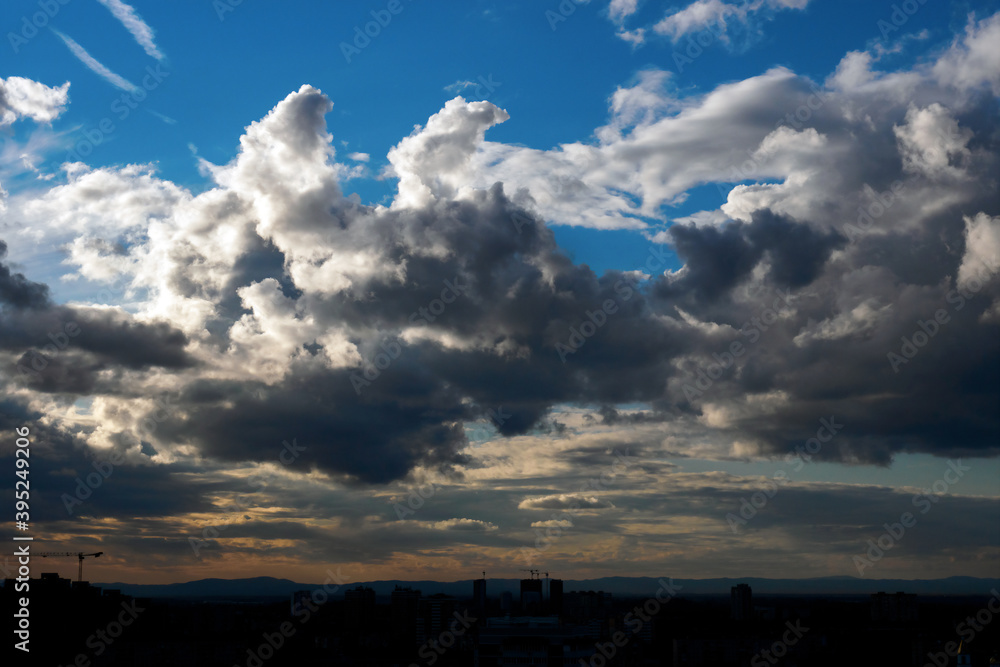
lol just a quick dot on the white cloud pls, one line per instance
(931, 142)
(552, 523)
(474, 525)
(256, 269)
(24, 98)
(93, 64)
(434, 161)
(974, 58)
(718, 17)
(142, 33)
(981, 261)
(619, 10)
(565, 501)
(860, 320)
(698, 15)
(777, 127)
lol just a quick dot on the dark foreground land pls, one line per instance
(81, 625)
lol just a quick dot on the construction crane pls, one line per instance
(534, 573)
(79, 554)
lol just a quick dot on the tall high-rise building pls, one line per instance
(404, 610)
(741, 602)
(479, 593)
(900, 607)
(438, 611)
(556, 596)
(531, 596)
(359, 608)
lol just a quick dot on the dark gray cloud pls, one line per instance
(16, 290)
(524, 329)
(61, 349)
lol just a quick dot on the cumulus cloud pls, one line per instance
(433, 162)
(24, 98)
(272, 307)
(284, 308)
(972, 60)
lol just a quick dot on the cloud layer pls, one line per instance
(846, 293)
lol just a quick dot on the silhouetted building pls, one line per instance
(898, 608)
(556, 596)
(504, 642)
(404, 613)
(531, 596)
(299, 599)
(70, 619)
(506, 601)
(741, 602)
(479, 593)
(359, 608)
(584, 605)
(438, 612)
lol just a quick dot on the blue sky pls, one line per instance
(226, 67)
(237, 265)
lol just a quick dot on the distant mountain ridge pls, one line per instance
(269, 587)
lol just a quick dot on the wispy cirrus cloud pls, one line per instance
(94, 64)
(134, 24)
